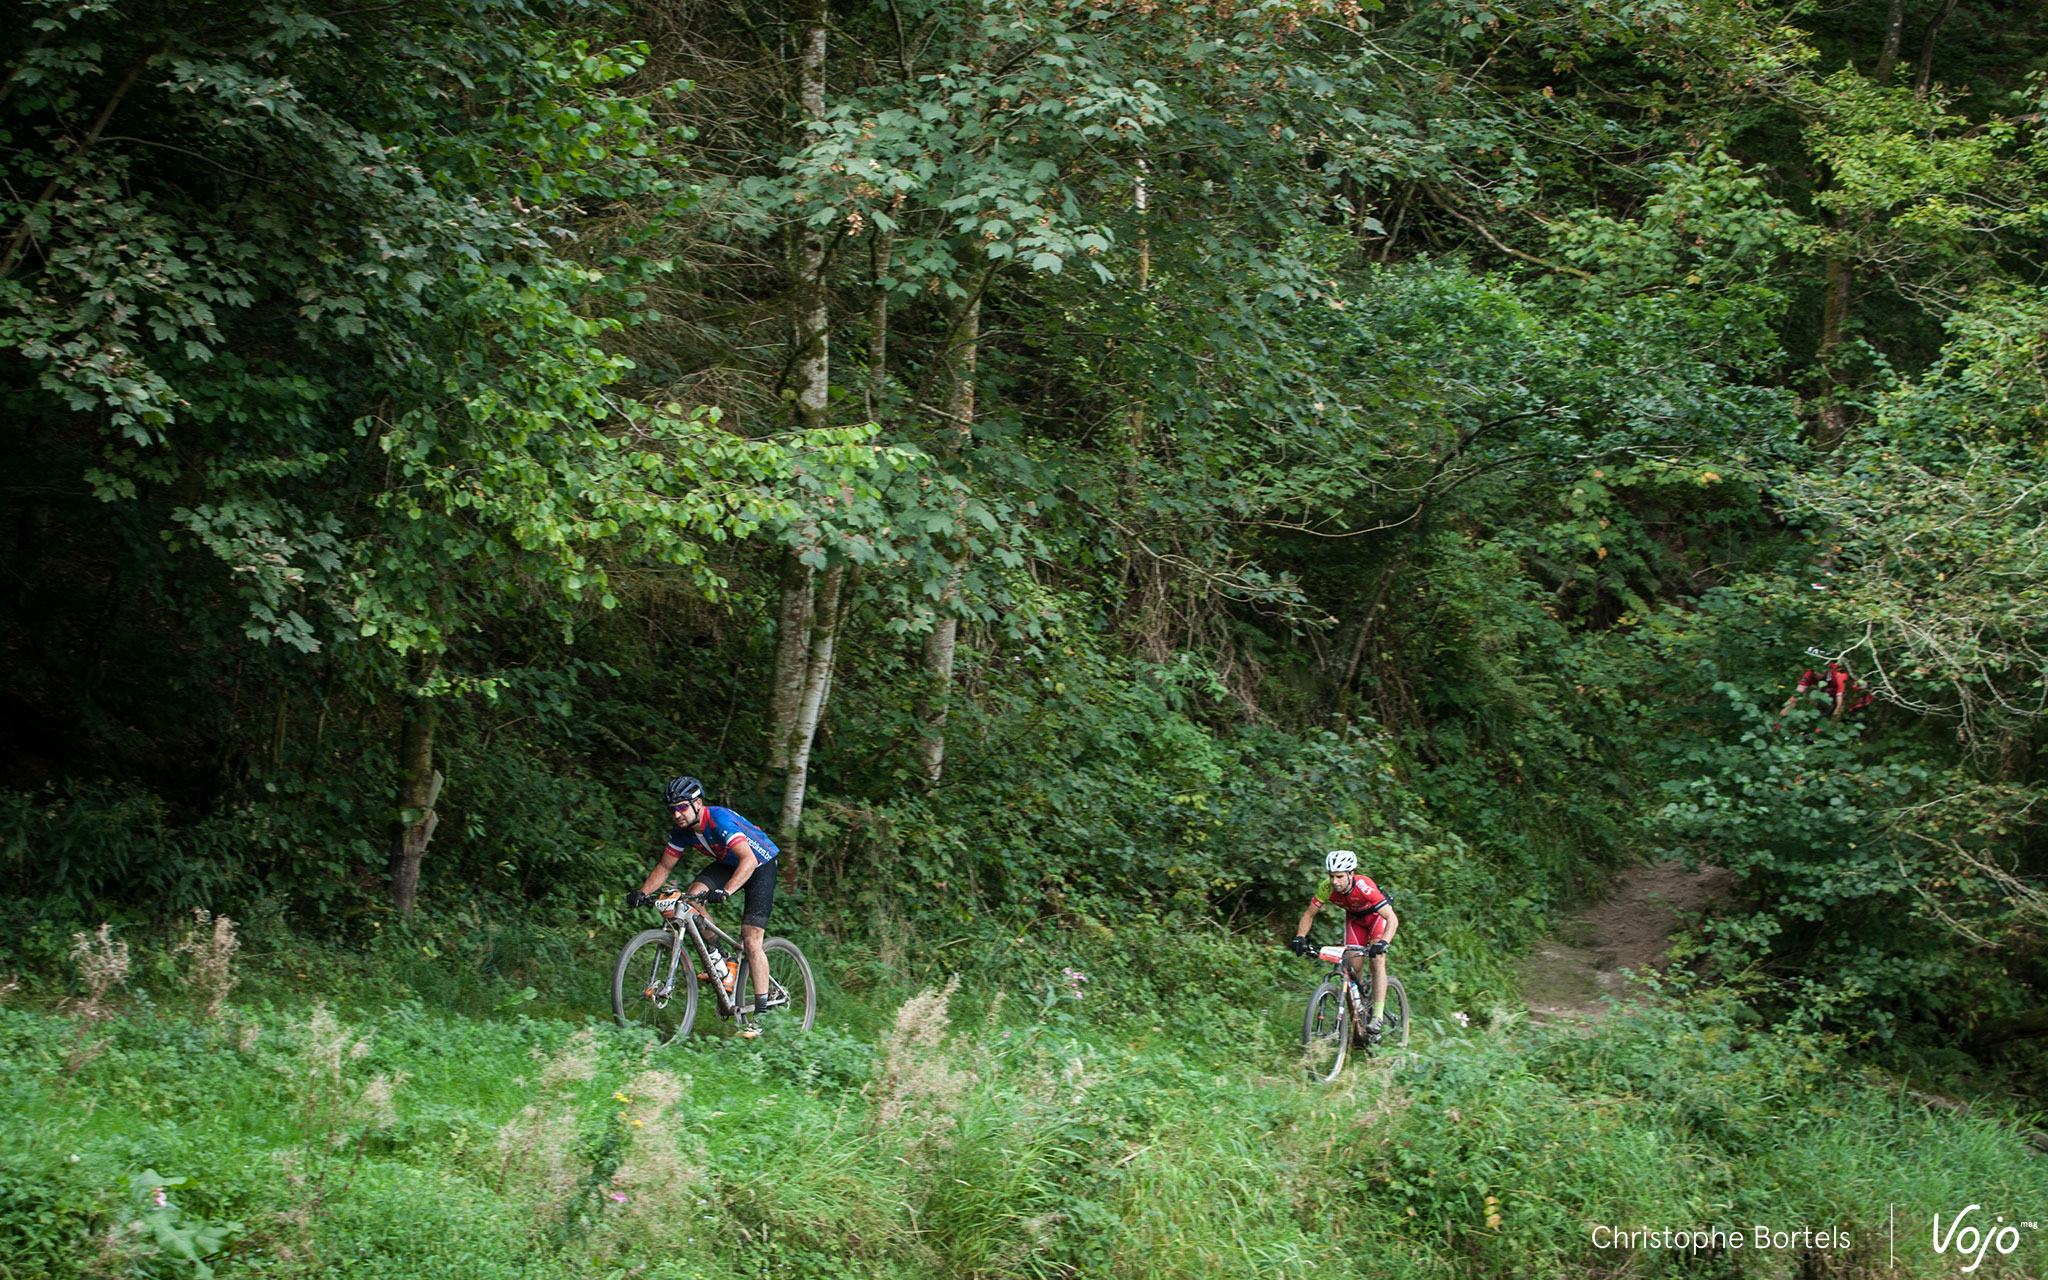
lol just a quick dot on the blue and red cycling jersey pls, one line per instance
(721, 828)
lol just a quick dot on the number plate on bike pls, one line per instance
(1335, 955)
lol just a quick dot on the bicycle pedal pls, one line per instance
(750, 1031)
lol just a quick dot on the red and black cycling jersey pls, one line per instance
(1836, 683)
(1363, 897)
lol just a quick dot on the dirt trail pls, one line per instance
(1570, 976)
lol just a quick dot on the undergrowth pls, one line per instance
(1019, 1118)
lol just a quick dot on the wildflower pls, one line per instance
(1461, 1020)
(162, 1201)
(618, 1197)
(1074, 978)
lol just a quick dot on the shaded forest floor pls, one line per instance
(1582, 971)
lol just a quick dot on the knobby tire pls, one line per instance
(644, 960)
(788, 969)
(1326, 1033)
(1395, 1034)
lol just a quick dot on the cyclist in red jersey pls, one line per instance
(1369, 922)
(1832, 690)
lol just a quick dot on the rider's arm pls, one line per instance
(659, 876)
(1393, 921)
(1308, 917)
(747, 862)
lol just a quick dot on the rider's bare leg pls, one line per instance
(757, 958)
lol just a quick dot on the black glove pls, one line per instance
(638, 899)
(1378, 948)
(1299, 946)
(715, 896)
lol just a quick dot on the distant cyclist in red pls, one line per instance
(1369, 922)
(1834, 692)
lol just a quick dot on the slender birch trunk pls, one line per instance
(792, 643)
(1141, 197)
(812, 336)
(942, 642)
(811, 375)
(882, 250)
(817, 691)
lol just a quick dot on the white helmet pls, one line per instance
(1340, 861)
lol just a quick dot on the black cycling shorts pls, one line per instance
(759, 889)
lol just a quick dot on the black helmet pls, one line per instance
(680, 790)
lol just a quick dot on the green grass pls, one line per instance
(1151, 1129)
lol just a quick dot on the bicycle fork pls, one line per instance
(659, 989)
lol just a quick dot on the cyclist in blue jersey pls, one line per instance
(742, 857)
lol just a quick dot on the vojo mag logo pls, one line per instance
(1976, 1238)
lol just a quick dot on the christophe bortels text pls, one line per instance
(1719, 1239)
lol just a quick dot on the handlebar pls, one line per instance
(676, 898)
(1349, 951)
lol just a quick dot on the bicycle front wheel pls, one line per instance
(654, 985)
(1326, 1033)
(790, 986)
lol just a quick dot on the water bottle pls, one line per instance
(720, 969)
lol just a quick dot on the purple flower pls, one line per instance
(618, 1197)
(1461, 1020)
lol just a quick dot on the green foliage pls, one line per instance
(1419, 463)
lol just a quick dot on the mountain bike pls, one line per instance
(654, 983)
(1337, 1014)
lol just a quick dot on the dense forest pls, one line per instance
(1060, 466)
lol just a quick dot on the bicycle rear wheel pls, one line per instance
(654, 985)
(1326, 1033)
(790, 986)
(1394, 1033)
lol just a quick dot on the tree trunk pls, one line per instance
(18, 243)
(1141, 197)
(812, 331)
(1923, 71)
(1368, 624)
(882, 249)
(1834, 416)
(792, 643)
(419, 789)
(941, 643)
(2020, 1026)
(811, 372)
(1894, 32)
(817, 692)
